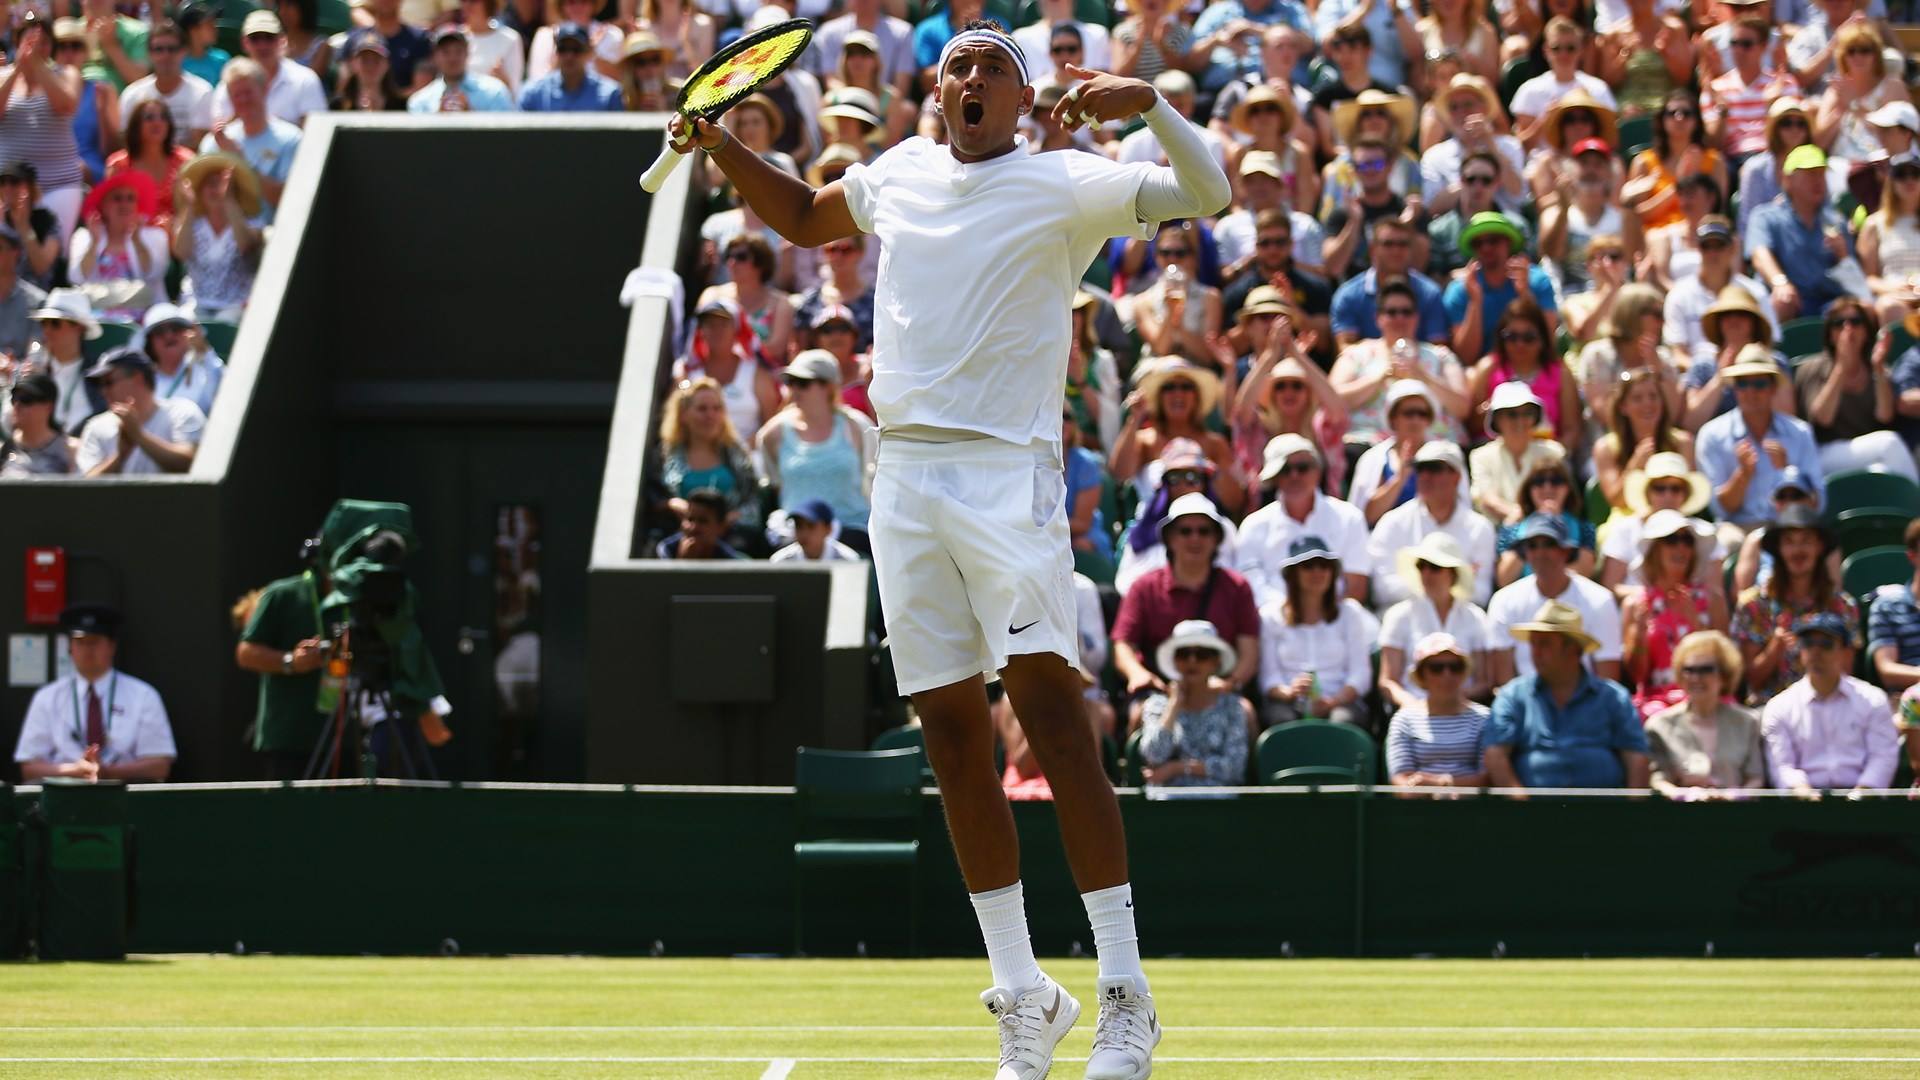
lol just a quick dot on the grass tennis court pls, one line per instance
(264, 1016)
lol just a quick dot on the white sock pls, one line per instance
(1003, 923)
(1111, 913)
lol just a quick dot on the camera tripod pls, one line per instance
(360, 696)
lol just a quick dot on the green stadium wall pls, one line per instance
(498, 869)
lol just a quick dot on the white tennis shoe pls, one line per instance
(1126, 1034)
(1031, 1025)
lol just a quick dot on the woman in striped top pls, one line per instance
(37, 102)
(1438, 742)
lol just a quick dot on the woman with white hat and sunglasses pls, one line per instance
(1665, 483)
(1316, 648)
(1440, 580)
(1669, 604)
(1439, 739)
(1199, 732)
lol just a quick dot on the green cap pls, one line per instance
(1490, 221)
(1808, 156)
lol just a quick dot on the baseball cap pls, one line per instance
(1591, 146)
(1713, 227)
(1280, 448)
(448, 33)
(829, 313)
(571, 31)
(1307, 549)
(1792, 478)
(814, 510)
(813, 365)
(165, 314)
(261, 22)
(1442, 452)
(124, 358)
(1823, 622)
(1406, 388)
(1807, 156)
(35, 388)
(1547, 525)
(719, 305)
(1262, 161)
(1900, 114)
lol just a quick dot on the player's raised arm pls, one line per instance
(806, 217)
(1191, 184)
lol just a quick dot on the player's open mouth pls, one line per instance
(972, 112)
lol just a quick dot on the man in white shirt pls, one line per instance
(1440, 504)
(141, 433)
(987, 243)
(1548, 549)
(1564, 40)
(188, 97)
(1294, 467)
(813, 536)
(97, 723)
(293, 90)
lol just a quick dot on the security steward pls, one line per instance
(98, 723)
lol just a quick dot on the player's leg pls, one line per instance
(938, 656)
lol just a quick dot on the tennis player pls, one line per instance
(982, 247)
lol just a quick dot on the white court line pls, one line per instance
(1257, 1029)
(628, 1060)
(779, 1069)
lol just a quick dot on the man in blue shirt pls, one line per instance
(1229, 33)
(265, 142)
(1495, 277)
(457, 89)
(1795, 240)
(572, 85)
(1744, 451)
(1563, 726)
(1356, 302)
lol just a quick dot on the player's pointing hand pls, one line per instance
(1102, 98)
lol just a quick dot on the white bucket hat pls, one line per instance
(1280, 448)
(1440, 549)
(71, 305)
(1191, 633)
(1511, 395)
(1664, 523)
(1193, 503)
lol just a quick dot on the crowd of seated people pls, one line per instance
(1495, 415)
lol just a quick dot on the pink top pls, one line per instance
(1545, 384)
(1666, 625)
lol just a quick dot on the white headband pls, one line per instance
(990, 37)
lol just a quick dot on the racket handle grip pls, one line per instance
(656, 175)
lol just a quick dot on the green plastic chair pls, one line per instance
(1636, 134)
(1864, 527)
(906, 737)
(112, 336)
(1130, 763)
(1316, 752)
(1873, 487)
(1864, 571)
(1802, 337)
(220, 337)
(1595, 505)
(857, 808)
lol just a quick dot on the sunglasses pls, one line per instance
(1680, 114)
(1678, 539)
(1862, 50)
(1793, 121)
(1431, 468)
(1753, 384)
(1563, 49)
(739, 256)
(1396, 312)
(1393, 242)
(1175, 253)
(1540, 543)
(1700, 671)
(1426, 567)
(1850, 320)
(1064, 50)
(1608, 256)
(1715, 245)
(1374, 114)
(1179, 388)
(1185, 476)
(1370, 165)
(1414, 414)
(1274, 242)
(161, 50)
(1263, 110)
(1444, 667)
(1744, 43)
(798, 383)
(1577, 116)
(570, 49)
(1670, 489)
(1195, 654)
(1478, 180)
(1819, 642)
(1548, 480)
(1298, 468)
(1290, 386)
(1192, 530)
(1904, 174)
(1521, 337)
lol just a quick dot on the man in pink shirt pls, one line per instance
(1829, 731)
(1735, 103)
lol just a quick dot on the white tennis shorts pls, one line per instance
(974, 558)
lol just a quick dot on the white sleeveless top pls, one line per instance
(743, 404)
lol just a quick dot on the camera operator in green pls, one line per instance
(301, 639)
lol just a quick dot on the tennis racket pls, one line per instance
(728, 76)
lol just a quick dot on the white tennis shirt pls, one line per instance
(979, 263)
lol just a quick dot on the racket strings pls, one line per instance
(713, 91)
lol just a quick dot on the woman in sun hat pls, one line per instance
(213, 233)
(1440, 582)
(119, 259)
(1667, 605)
(1789, 125)
(1438, 739)
(1666, 483)
(1500, 467)
(1391, 118)
(1285, 391)
(1173, 400)
(1199, 733)
(1267, 116)
(1316, 648)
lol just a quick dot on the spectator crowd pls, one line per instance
(1496, 415)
